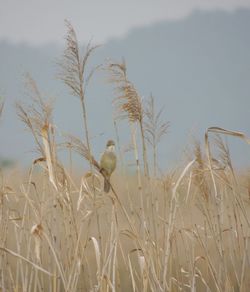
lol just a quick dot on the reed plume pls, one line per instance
(199, 172)
(37, 117)
(83, 150)
(224, 153)
(73, 73)
(154, 127)
(38, 114)
(128, 103)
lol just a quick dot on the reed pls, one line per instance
(186, 230)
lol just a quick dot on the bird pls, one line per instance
(108, 164)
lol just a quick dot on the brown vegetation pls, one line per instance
(183, 231)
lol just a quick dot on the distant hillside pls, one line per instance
(197, 68)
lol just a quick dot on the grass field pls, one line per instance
(185, 230)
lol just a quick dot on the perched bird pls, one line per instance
(108, 163)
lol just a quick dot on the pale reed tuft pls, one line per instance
(128, 102)
(82, 149)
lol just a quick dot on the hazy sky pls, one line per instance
(42, 21)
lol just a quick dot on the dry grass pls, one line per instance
(185, 231)
(50, 238)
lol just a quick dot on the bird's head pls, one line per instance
(110, 145)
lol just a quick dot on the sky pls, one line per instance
(42, 22)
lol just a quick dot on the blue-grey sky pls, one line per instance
(42, 21)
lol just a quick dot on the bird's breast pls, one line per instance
(108, 162)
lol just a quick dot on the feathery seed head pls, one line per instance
(128, 101)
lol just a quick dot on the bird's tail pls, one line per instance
(106, 185)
